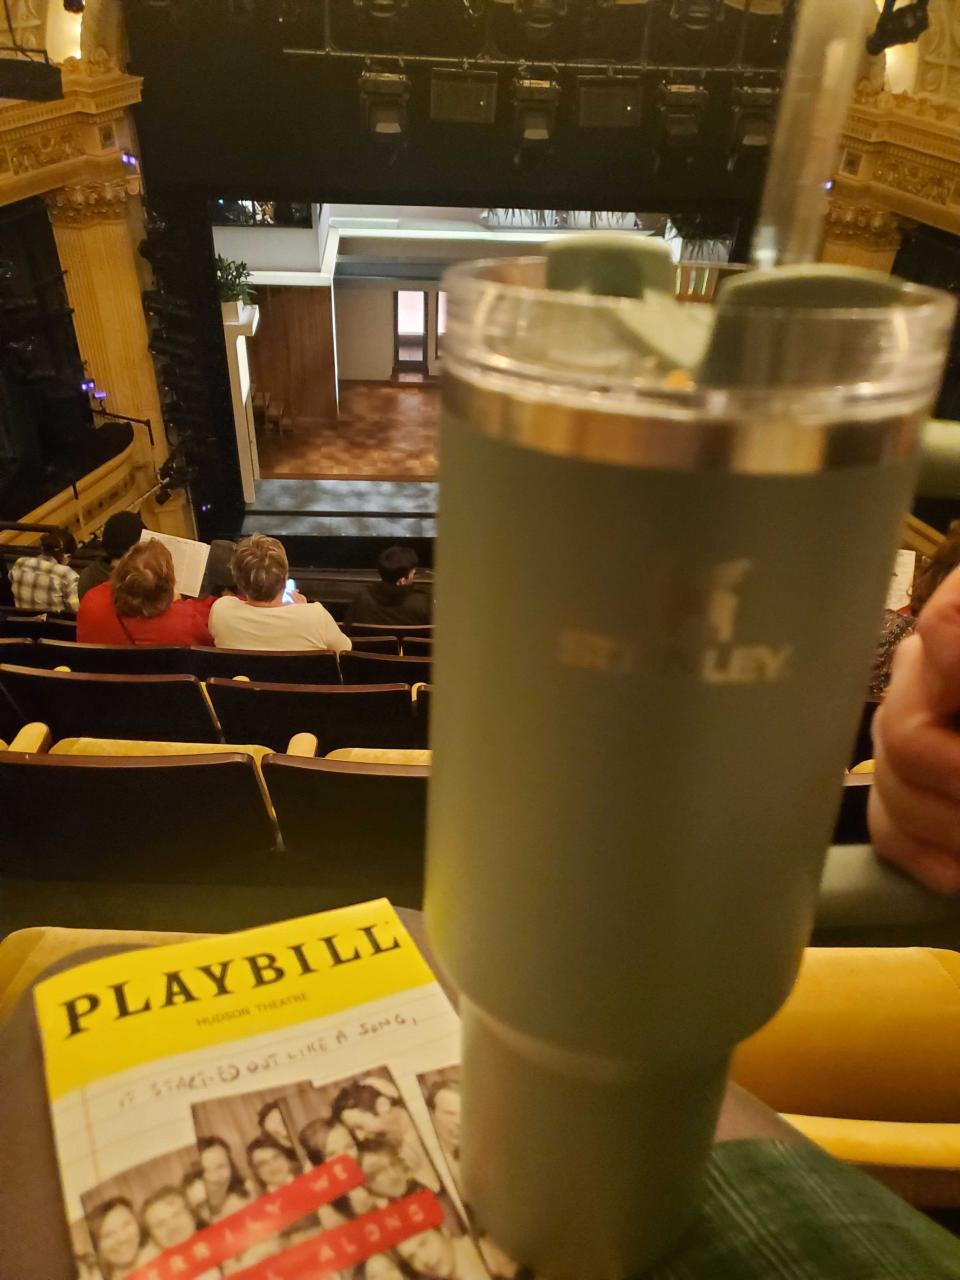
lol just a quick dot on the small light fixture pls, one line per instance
(129, 159)
(385, 95)
(535, 109)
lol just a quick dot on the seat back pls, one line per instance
(851, 822)
(113, 659)
(417, 646)
(377, 644)
(165, 820)
(862, 748)
(298, 666)
(401, 631)
(81, 705)
(340, 715)
(40, 628)
(421, 711)
(362, 827)
(378, 668)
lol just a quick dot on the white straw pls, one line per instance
(828, 46)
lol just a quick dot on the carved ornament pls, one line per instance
(915, 179)
(52, 148)
(863, 224)
(78, 206)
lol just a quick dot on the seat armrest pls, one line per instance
(32, 738)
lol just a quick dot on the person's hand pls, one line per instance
(914, 808)
(299, 597)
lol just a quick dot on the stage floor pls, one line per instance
(349, 508)
(385, 431)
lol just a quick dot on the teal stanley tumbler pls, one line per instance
(658, 600)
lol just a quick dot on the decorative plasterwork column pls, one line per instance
(71, 152)
(98, 255)
(900, 155)
(861, 235)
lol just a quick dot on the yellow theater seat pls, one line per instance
(864, 1058)
(381, 755)
(25, 954)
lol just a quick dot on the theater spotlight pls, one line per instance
(681, 109)
(697, 15)
(535, 109)
(385, 95)
(608, 102)
(382, 9)
(754, 114)
(539, 17)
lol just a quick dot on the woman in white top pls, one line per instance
(257, 618)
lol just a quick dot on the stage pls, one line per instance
(401, 510)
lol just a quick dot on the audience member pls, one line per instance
(895, 627)
(258, 617)
(139, 605)
(899, 624)
(218, 579)
(394, 601)
(914, 808)
(121, 532)
(46, 582)
(943, 562)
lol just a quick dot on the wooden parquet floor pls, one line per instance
(384, 432)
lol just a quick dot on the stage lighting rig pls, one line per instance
(754, 117)
(898, 26)
(385, 95)
(539, 17)
(382, 10)
(681, 110)
(535, 109)
(697, 15)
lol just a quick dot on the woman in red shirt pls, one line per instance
(139, 604)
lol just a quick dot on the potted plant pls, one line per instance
(233, 287)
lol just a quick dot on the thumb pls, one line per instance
(939, 628)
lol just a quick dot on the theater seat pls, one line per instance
(422, 697)
(40, 628)
(77, 705)
(373, 755)
(377, 644)
(338, 715)
(864, 1058)
(362, 826)
(310, 666)
(112, 659)
(186, 819)
(417, 646)
(375, 668)
(401, 631)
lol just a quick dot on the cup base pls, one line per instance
(581, 1168)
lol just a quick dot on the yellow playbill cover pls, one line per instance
(277, 1104)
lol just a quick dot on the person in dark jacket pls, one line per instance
(121, 532)
(394, 601)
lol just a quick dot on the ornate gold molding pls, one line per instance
(902, 154)
(73, 140)
(864, 225)
(75, 206)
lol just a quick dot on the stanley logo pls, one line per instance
(688, 629)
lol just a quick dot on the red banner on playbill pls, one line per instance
(263, 1218)
(345, 1246)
